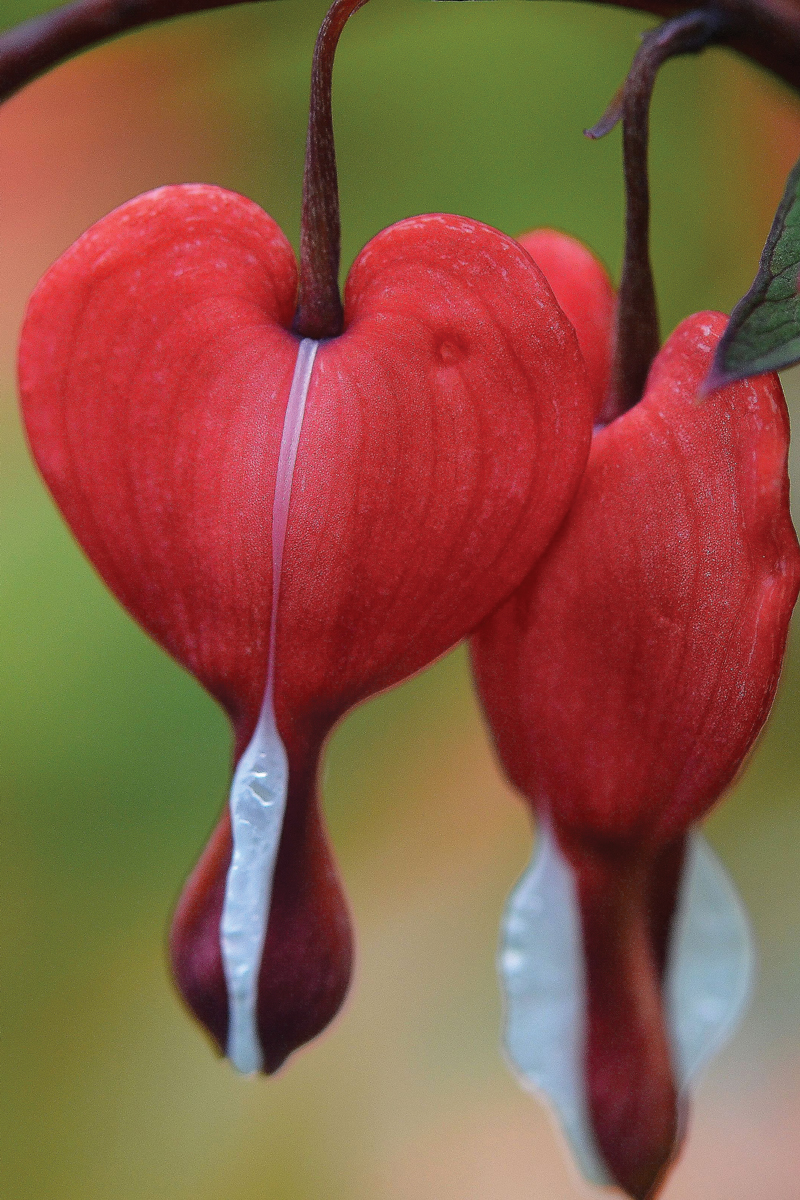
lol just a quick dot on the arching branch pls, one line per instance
(37, 45)
(767, 31)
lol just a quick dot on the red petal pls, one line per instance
(627, 679)
(583, 290)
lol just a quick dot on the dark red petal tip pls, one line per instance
(306, 964)
(627, 897)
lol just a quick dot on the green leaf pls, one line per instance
(763, 333)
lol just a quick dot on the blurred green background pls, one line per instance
(113, 765)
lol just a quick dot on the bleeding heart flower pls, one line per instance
(625, 683)
(301, 515)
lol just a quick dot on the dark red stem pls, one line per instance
(319, 305)
(767, 31)
(36, 45)
(637, 338)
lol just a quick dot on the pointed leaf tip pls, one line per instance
(763, 333)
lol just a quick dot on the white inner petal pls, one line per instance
(258, 791)
(541, 971)
(709, 977)
(711, 964)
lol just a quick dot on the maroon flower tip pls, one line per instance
(627, 897)
(307, 958)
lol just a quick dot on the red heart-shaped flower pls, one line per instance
(445, 432)
(625, 683)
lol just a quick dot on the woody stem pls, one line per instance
(767, 31)
(34, 46)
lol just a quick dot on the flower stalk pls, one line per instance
(637, 334)
(319, 308)
(766, 31)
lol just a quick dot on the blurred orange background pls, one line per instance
(113, 764)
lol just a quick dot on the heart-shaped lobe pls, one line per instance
(444, 436)
(625, 683)
(585, 294)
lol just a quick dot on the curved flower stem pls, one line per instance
(30, 49)
(767, 31)
(637, 337)
(319, 307)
